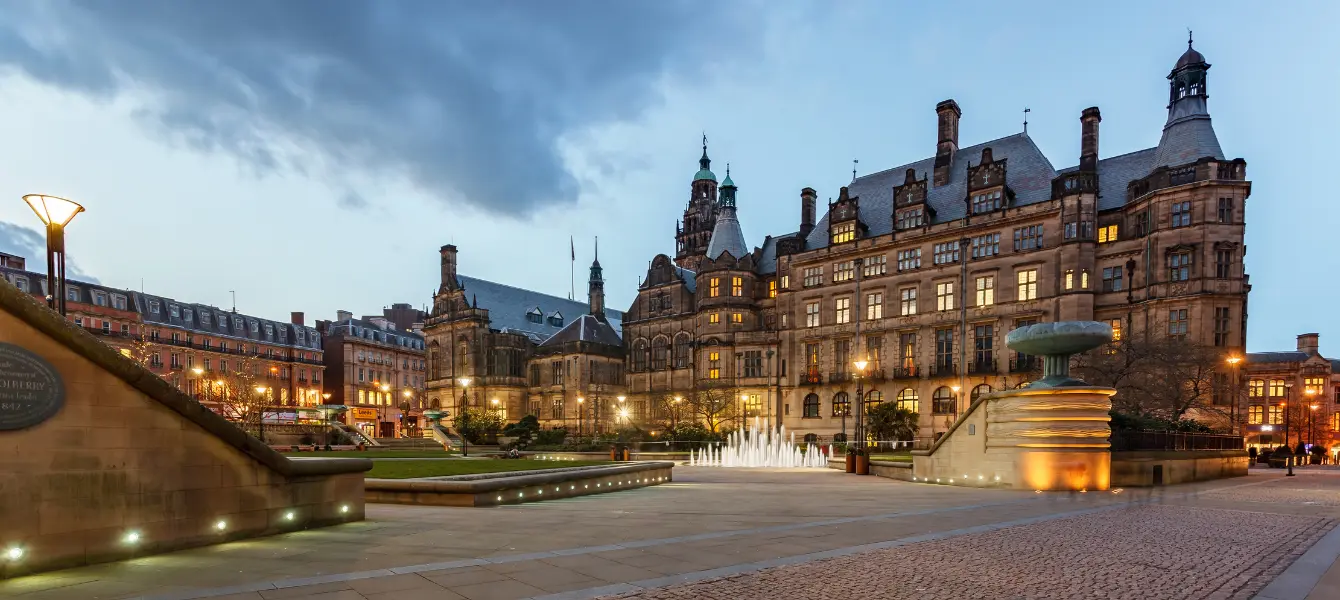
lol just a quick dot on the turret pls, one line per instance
(595, 292)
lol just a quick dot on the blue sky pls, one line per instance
(313, 156)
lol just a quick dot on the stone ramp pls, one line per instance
(101, 459)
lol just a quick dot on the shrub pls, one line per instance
(551, 437)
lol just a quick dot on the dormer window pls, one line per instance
(237, 324)
(255, 327)
(534, 315)
(188, 314)
(100, 298)
(204, 318)
(118, 302)
(269, 330)
(844, 232)
(174, 310)
(153, 306)
(911, 218)
(556, 319)
(986, 202)
(72, 293)
(21, 283)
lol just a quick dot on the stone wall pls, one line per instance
(130, 466)
(1136, 469)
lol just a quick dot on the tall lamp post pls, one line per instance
(55, 212)
(581, 415)
(1311, 394)
(460, 413)
(1288, 395)
(859, 429)
(623, 412)
(260, 428)
(1234, 361)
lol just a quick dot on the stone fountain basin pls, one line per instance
(1063, 338)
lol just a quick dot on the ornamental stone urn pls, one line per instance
(1056, 343)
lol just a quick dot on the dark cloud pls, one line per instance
(32, 246)
(466, 99)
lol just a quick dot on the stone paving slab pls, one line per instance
(715, 523)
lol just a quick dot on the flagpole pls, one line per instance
(572, 276)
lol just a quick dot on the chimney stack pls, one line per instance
(1088, 145)
(343, 315)
(1309, 343)
(449, 267)
(947, 143)
(807, 200)
(298, 318)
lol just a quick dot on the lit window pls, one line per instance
(875, 265)
(1027, 281)
(1116, 329)
(908, 301)
(1084, 279)
(1276, 414)
(874, 306)
(986, 290)
(737, 318)
(812, 314)
(845, 232)
(714, 287)
(944, 296)
(1256, 414)
(713, 319)
(737, 286)
(1276, 388)
(713, 365)
(844, 271)
(772, 288)
(813, 276)
(1256, 388)
(842, 310)
(1069, 279)
(1107, 234)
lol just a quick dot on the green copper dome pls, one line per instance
(727, 181)
(704, 174)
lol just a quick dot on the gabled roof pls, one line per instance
(1028, 173)
(509, 305)
(767, 261)
(586, 328)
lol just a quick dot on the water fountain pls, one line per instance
(760, 448)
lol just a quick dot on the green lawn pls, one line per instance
(375, 454)
(898, 457)
(405, 469)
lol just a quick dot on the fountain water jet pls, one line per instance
(760, 448)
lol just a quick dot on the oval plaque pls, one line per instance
(31, 391)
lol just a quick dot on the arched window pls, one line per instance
(841, 405)
(640, 355)
(873, 398)
(658, 353)
(682, 351)
(839, 438)
(907, 400)
(979, 390)
(435, 404)
(942, 401)
(811, 406)
(434, 354)
(811, 438)
(463, 358)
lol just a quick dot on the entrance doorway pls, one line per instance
(387, 429)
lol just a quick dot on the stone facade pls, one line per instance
(378, 371)
(1295, 393)
(922, 269)
(129, 465)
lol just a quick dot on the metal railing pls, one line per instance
(982, 367)
(1144, 439)
(911, 372)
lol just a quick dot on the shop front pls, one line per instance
(365, 419)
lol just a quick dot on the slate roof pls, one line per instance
(587, 328)
(727, 236)
(508, 306)
(1028, 173)
(690, 281)
(215, 321)
(1116, 172)
(1276, 357)
(34, 283)
(1188, 135)
(366, 329)
(767, 261)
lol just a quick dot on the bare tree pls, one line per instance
(1171, 377)
(714, 406)
(244, 395)
(668, 410)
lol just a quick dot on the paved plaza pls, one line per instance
(719, 533)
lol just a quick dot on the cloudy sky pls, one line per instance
(313, 154)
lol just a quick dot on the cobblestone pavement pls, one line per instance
(1141, 552)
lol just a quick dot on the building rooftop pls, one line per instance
(372, 331)
(214, 321)
(586, 328)
(533, 314)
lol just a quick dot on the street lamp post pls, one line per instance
(260, 428)
(581, 416)
(55, 212)
(1288, 395)
(859, 429)
(460, 412)
(623, 412)
(325, 402)
(1233, 362)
